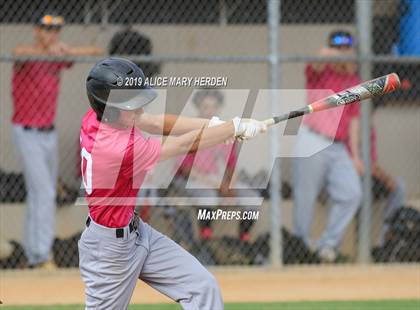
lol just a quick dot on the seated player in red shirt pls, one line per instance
(117, 248)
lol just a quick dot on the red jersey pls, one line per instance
(35, 87)
(333, 123)
(114, 164)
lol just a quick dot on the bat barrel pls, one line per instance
(367, 90)
(392, 82)
(379, 86)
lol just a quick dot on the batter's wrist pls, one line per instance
(215, 121)
(237, 125)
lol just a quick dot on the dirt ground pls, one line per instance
(238, 285)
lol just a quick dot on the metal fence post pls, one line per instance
(273, 33)
(364, 32)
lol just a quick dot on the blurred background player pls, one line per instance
(332, 168)
(128, 41)
(210, 174)
(35, 88)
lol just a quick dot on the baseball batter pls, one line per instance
(117, 248)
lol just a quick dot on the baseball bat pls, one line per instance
(366, 90)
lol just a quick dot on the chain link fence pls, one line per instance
(321, 201)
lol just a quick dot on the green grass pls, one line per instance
(321, 305)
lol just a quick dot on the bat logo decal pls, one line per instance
(374, 88)
(346, 98)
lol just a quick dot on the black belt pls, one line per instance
(40, 129)
(119, 232)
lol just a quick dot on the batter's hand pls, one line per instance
(246, 129)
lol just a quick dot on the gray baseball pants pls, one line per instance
(110, 268)
(38, 153)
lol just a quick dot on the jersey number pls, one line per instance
(87, 173)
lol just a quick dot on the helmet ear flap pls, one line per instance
(104, 113)
(110, 115)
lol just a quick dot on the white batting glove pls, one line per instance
(246, 129)
(254, 128)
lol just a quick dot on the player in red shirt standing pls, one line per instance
(332, 167)
(35, 89)
(117, 248)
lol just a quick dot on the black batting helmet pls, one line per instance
(115, 84)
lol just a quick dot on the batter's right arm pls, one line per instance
(190, 142)
(169, 124)
(209, 136)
